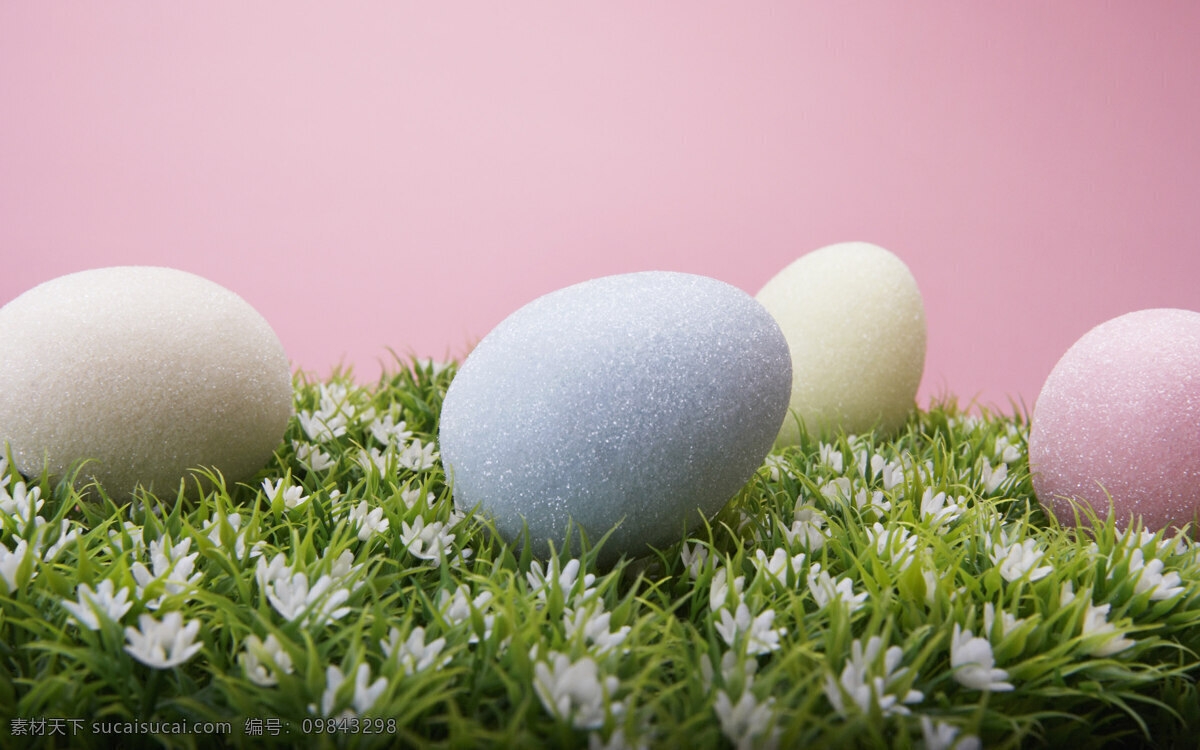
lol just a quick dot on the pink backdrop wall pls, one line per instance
(393, 174)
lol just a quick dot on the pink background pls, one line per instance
(400, 174)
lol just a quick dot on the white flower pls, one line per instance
(695, 557)
(616, 741)
(368, 522)
(262, 659)
(937, 511)
(777, 468)
(824, 590)
(457, 609)
(312, 456)
(343, 568)
(3, 470)
(1005, 452)
(1104, 638)
(1150, 578)
(574, 690)
(233, 522)
(417, 457)
(718, 592)
(320, 604)
(895, 545)
(761, 638)
(427, 541)
(414, 654)
(778, 565)
(162, 644)
(836, 489)
(1066, 593)
(1008, 622)
(267, 573)
(830, 456)
(861, 682)
(991, 478)
(974, 664)
(91, 603)
(892, 475)
(171, 565)
(1018, 560)
(806, 527)
(943, 736)
(388, 431)
(411, 497)
(322, 427)
(731, 667)
(871, 501)
(542, 580)
(593, 622)
(22, 506)
(292, 495)
(745, 721)
(364, 697)
(373, 459)
(137, 542)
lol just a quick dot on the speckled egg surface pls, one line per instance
(1121, 412)
(145, 373)
(644, 399)
(855, 324)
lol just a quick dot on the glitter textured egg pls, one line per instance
(855, 324)
(1120, 412)
(142, 372)
(644, 400)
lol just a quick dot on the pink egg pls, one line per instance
(1120, 413)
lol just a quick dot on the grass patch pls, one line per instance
(857, 593)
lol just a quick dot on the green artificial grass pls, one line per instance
(857, 593)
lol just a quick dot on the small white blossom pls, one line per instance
(374, 460)
(163, 644)
(457, 608)
(777, 468)
(1018, 560)
(895, 544)
(91, 604)
(320, 604)
(594, 623)
(761, 638)
(1095, 623)
(411, 498)
(292, 495)
(1005, 452)
(413, 653)
(807, 525)
(695, 557)
(574, 590)
(824, 590)
(21, 506)
(233, 522)
(861, 682)
(312, 456)
(417, 456)
(991, 478)
(974, 664)
(836, 489)
(718, 592)
(872, 501)
(322, 427)
(574, 690)
(364, 697)
(262, 659)
(744, 722)
(616, 741)
(66, 534)
(343, 568)
(1008, 622)
(137, 542)
(368, 522)
(830, 456)
(388, 431)
(266, 573)
(733, 668)
(428, 541)
(943, 736)
(778, 564)
(171, 565)
(937, 511)
(1150, 578)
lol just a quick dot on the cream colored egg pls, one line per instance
(855, 324)
(139, 375)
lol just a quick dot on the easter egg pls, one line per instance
(1119, 416)
(636, 402)
(855, 325)
(141, 374)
